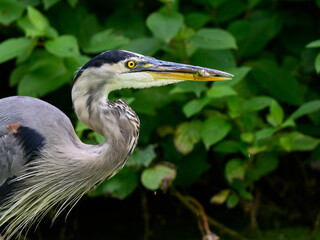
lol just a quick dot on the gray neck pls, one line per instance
(116, 121)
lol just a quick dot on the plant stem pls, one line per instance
(145, 214)
(185, 201)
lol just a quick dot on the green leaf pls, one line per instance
(214, 39)
(234, 169)
(99, 138)
(46, 73)
(214, 130)
(277, 81)
(276, 115)
(217, 59)
(230, 10)
(317, 63)
(49, 3)
(39, 21)
(17, 74)
(253, 36)
(119, 186)
(73, 3)
(256, 104)
(241, 186)
(186, 136)
(80, 128)
(195, 106)
(197, 19)
(35, 24)
(189, 170)
(155, 178)
(27, 53)
(247, 137)
(165, 26)
(296, 141)
(10, 11)
(314, 44)
(143, 157)
(220, 91)
(220, 197)
(305, 109)
(63, 46)
(234, 106)
(266, 163)
(146, 46)
(232, 201)
(227, 146)
(13, 47)
(189, 86)
(239, 74)
(105, 40)
(263, 135)
(74, 63)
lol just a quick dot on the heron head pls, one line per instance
(119, 69)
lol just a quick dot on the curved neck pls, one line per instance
(116, 121)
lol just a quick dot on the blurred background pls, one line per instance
(239, 156)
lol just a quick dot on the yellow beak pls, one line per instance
(169, 70)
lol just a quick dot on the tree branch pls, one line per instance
(185, 200)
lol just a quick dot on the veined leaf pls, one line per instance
(220, 197)
(13, 47)
(256, 104)
(187, 135)
(195, 106)
(49, 3)
(214, 129)
(10, 11)
(145, 46)
(213, 38)
(165, 26)
(314, 44)
(39, 21)
(105, 40)
(36, 24)
(305, 109)
(276, 81)
(220, 91)
(239, 74)
(63, 46)
(155, 178)
(296, 141)
(276, 114)
(235, 169)
(119, 186)
(143, 157)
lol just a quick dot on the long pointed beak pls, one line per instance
(169, 70)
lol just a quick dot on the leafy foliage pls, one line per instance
(245, 130)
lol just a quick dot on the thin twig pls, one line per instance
(211, 221)
(203, 225)
(201, 211)
(145, 214)
(253, 211)
(315, 226)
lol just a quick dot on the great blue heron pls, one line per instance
(42, 161)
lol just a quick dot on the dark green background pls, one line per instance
(246, 149)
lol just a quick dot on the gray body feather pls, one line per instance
(63, 168)
(36, 114)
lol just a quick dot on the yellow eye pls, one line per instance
(131, 64)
